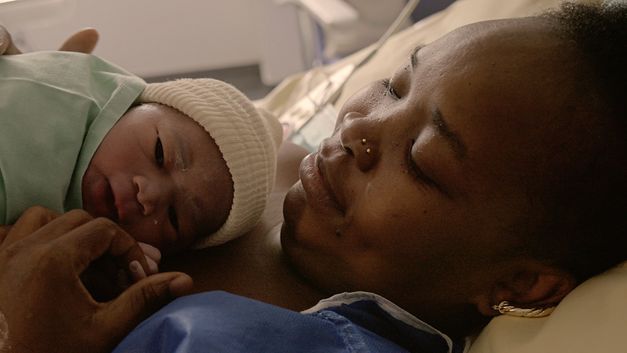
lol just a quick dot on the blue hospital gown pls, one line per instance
(223, 322)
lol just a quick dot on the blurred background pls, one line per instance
(253, 44)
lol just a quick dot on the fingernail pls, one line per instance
(150, 251)
(152, 265)
(136, 270)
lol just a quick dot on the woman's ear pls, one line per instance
(534, 285)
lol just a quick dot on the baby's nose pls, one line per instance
(147, 198)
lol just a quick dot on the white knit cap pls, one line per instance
(248, 138)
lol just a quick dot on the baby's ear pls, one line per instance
(534, 285)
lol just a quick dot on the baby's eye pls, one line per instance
(159, 152)
(173, 218)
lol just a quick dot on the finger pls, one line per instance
(153, 267)
(150, 251)
(12, 50)
(4, 231)
(153, 257)
(6, 43)
(98, 237)
(137, 271)
(29, 222)
(5, 39)
(142, 299)
(83, 41)
(56, 228)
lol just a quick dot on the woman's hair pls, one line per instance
(600, 33)
(585, 228)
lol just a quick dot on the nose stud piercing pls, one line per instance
(363, 142)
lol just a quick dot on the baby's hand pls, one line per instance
(153, 257)
(105, 279)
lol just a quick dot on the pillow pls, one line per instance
(592, 318)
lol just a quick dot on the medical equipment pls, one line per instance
(312, 118)
(327, 12)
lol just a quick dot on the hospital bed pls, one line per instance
(593, 317)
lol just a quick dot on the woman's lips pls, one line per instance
(318, 192)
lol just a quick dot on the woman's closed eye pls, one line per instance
(159, 159)
(389, 89)
(415, 169)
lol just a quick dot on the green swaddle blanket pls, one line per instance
(55, 109)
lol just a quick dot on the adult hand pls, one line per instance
(83, 41)
(4, 230)
(45, 305)
(106, 278)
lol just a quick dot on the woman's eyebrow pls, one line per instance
(453, 139)
(414, 56)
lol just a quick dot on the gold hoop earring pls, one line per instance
(506, 308)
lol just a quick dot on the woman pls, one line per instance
(490, 168)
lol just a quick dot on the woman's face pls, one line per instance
(427, 175)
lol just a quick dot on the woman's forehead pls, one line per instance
(514, 30)
(502, 86)
(530, 38)
(509, 67)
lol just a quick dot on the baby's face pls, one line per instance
(161, 176)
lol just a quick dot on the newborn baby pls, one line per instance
(179, 164)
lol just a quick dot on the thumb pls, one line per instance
(6, 43)
(142, 299)
(5, 39)
(83, 41)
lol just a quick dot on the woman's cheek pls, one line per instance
(363, 101)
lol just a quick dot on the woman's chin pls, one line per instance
(293, 207)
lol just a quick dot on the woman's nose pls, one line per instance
(359, 138)
(150, 194)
